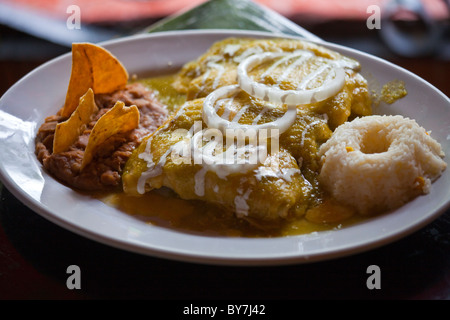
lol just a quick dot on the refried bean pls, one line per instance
(104, 172)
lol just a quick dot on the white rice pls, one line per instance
(378, 163)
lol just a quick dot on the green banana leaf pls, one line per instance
(231, 14)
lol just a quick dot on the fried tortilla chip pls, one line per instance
(118, 119)
(67, 132)
(92, 67)
(81, 79)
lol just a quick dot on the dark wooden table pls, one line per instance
(35, 254)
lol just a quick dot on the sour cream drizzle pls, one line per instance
(199, 187)
(260, 115)
(240, 202)
(226, 107)
(290, 97)
(155, 169)
(308, 127)
(302, 57)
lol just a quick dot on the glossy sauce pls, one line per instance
(163, 208)
(166, 94)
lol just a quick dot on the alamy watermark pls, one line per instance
(74, 280)
(374, 280)
(74, 20)
(374, 20)
(223, 147)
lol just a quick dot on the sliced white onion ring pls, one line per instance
(213, 120)
(289, 97)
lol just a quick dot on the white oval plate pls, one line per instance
(40, 94)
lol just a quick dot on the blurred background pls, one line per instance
(412, 33)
